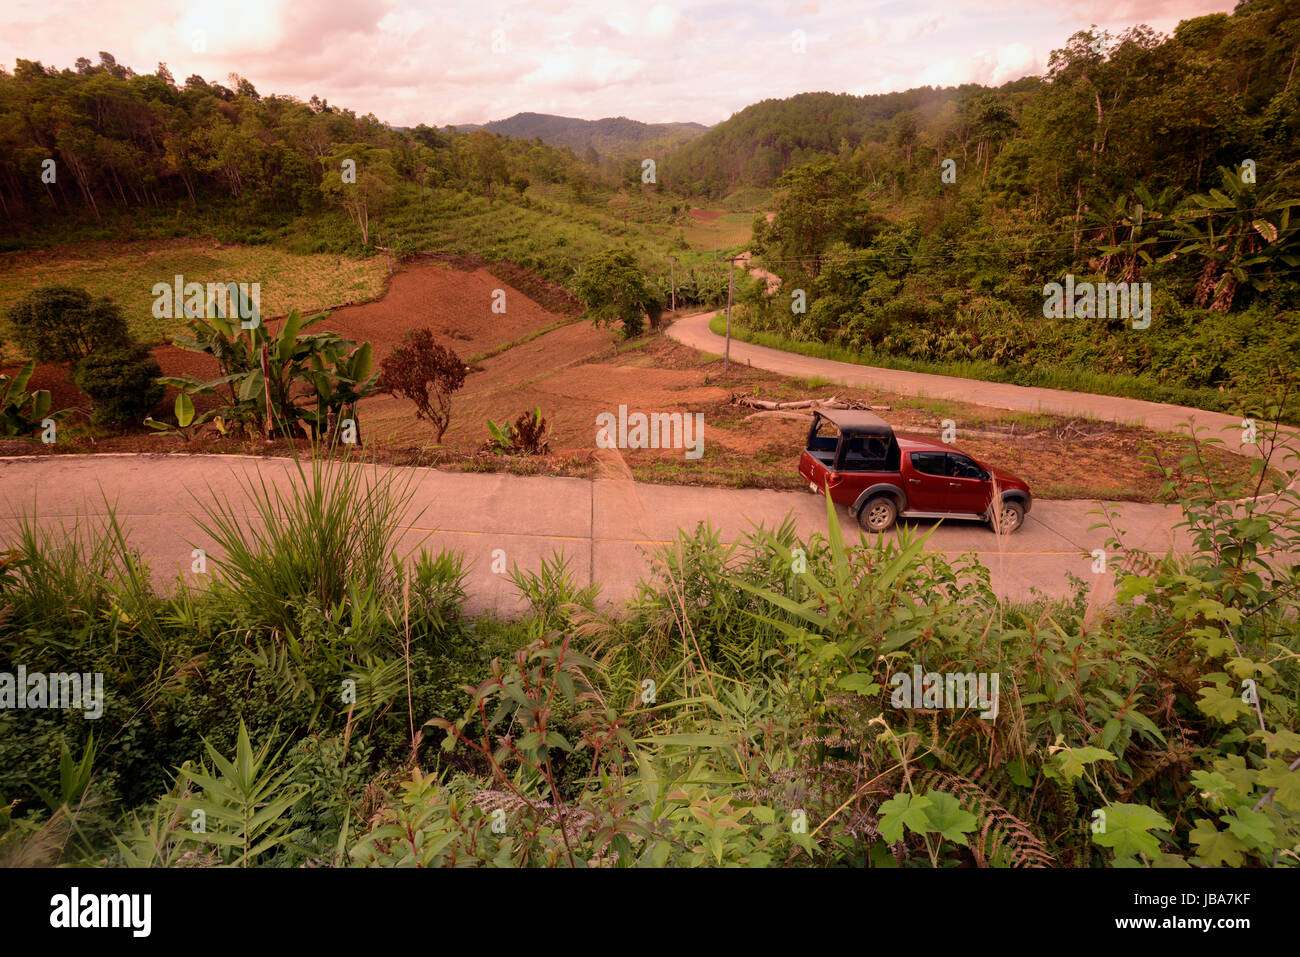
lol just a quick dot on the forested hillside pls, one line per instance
(100, 152)
(757, 144)
(1110, 108)
(1166, 161)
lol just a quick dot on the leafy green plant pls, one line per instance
(187, 423)
(242, 801)
(526, 436)
(21, 412)
(551, 591)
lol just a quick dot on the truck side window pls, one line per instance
(930, 463)
(962, 467)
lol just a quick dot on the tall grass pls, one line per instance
(330, 536)
(70, 583)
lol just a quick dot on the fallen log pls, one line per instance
(779, 414)
(834, 402)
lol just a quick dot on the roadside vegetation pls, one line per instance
(319, 698)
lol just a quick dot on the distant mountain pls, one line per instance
(612, 136)
(756, 145)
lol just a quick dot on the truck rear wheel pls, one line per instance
(879, 514)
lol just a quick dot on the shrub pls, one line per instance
(425, 372)
(526, 437)
(122, 384)
(66, 324)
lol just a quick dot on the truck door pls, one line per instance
(927, 482)
(969, 489)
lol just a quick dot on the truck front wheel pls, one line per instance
(879, 514)
(1010, 518)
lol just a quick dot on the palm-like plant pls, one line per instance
(341, 378)
(21, 412)
(1242, 235)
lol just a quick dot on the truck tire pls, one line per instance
(1010, 518)
(878, 514)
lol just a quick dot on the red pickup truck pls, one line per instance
(879, 474)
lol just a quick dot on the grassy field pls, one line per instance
(126, 272)
(313, 262)
(549, 233)
(728, 230)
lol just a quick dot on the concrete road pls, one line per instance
(607, 527)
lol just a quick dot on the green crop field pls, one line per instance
(127, 272)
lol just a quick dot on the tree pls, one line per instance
(66, 324)
(486, 162)
(426, 373)
(613, 288)
(811, 213)
(368, 192)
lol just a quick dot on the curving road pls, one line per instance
(694, 331)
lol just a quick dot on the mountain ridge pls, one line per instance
(609, 135)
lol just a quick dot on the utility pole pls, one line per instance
(731, 280)
(672, 272)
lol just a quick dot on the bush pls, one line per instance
(66, 324)
(122, 384)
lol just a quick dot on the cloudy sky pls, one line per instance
(469, 61)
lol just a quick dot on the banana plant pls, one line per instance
(257, 366)
(1130, 227)
(1241, 235)
(341, 378)
(187, 424)
(21, 412)
(499, 436)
